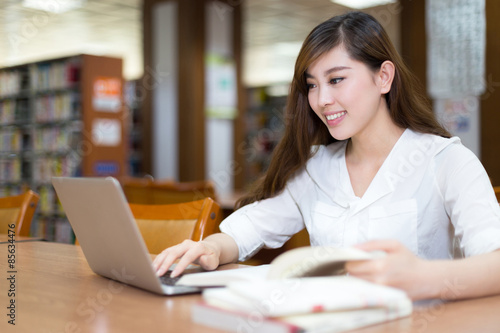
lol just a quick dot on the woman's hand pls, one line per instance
(202, 253)
(400, 268)
(209, 253)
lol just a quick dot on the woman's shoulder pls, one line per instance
(441, 148)
(433, 143)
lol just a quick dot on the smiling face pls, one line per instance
(347, 95)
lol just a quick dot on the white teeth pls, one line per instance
(335, 116)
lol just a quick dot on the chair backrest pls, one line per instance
(497, 192)
(176, 192)
(160, 192)
(138, 190)
(162, 226)
(18, 209)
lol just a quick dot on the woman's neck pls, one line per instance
(373, 145)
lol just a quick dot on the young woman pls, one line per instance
(363, 162)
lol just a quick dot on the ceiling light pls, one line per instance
(362, 4)
(57, 7)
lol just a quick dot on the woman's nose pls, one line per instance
(325, 97)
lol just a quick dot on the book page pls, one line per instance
(316, 261)
(223, 278)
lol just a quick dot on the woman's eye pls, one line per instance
(310, 86)
(336, 80)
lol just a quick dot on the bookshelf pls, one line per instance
(60, 117)
(264, 125)
(133, 96)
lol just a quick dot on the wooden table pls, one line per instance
(57, 292)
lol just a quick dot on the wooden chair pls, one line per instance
(160, 192)
(138, 190)
(166, 192)
(19, 210)
(162, 226)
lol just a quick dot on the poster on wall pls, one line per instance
(221, 88)
(460, 116)
(106, 132)
(456, 46)
(107, 94)
(456, 114)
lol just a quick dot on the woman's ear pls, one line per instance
(386, 76)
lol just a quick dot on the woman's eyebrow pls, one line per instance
(329, 71)
(335, 69)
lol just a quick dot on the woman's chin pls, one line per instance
(338, 135)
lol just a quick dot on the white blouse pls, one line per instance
(425, 183)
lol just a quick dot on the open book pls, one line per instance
(299, 262)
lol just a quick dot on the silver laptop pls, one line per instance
(108, 235)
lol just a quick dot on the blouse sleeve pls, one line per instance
(469, 200)
(267, 223)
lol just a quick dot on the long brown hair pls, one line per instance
(365, 40)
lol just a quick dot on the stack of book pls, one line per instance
(274, 301)
(322, 304)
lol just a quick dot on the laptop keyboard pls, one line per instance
(166, 279)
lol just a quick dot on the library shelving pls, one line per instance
(133, 95)
(60, 117)
(264, 125)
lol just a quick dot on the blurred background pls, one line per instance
(194, 90)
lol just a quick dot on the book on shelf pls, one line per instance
(10, 82)
(47, 117)
(56, 74)
(312, 304)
